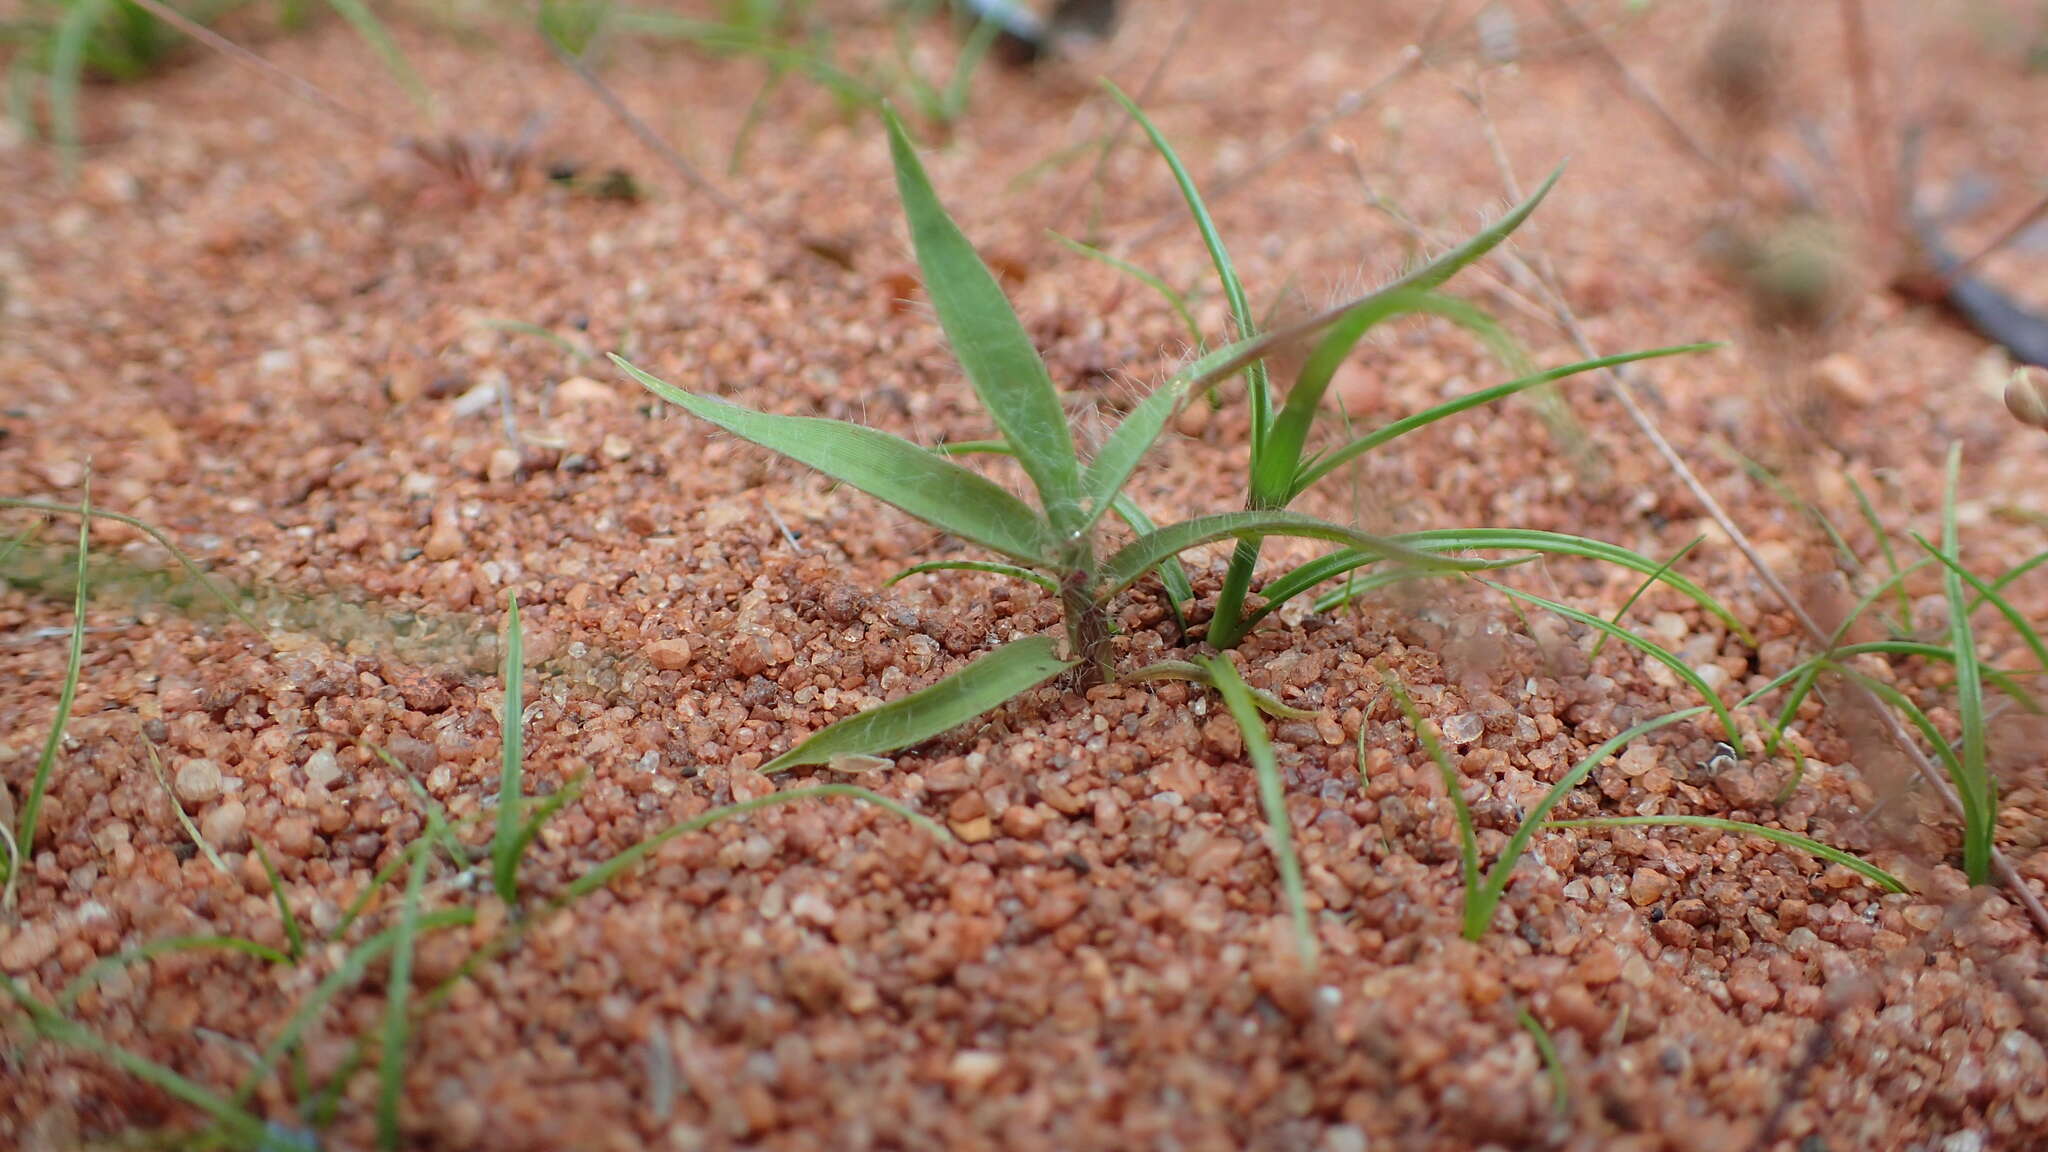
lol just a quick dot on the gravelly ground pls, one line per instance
(265, 335)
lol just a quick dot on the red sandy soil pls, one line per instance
(257, 328)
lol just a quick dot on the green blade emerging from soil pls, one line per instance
(1806, 844)
(1237, 696)
(918, 717)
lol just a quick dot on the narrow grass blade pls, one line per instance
(397, 999)
(345, 975)
(1195, 673)
(1566, 544)
(1986, 594)
(156, 768)
(1127, 444)
(545, 811)
(1982, 824)
(973, 50)
(67, 75)
(918, 717)
(190, 566)
(1330, 461)
(373, 32)
(2018, 570)
(106, 966)
(1010, 570)
(1140, 555)
(238, 1124)
(1884, 544)
(1996, 677)
(1657, 652)
(1226, 273)
(1454, 788)
(1173, 576)
(511, 786)
(1272, 797)
(1479, 912)
(892, 470)
(990, 342)
(292, 933)
(623, 862)
(1449, 264)
(1174, 300)
(32, 804)
(1294, 582)
(522, 328)
(1553, 1063)
(1662, 570)
(1806, 844)
(1275, 475)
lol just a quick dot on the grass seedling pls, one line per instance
(1973, 779)
(1454, 787)
(506, 842)
(398, 994)
(1481, 900)
(1662, 571)
(1237, 697)
(1281, 466)
(65, 42)
(32, 806)
(1055, 539)
(292, 933)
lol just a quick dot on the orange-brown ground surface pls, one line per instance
(267, 334)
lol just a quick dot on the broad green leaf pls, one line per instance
(1127, 444)
(1329, 462)
(892, 470)
(990, 343)
(1806, 844)
(1661, 655)
(918, 717)
(1136, 558)
(1233, 288)
(1237, 697)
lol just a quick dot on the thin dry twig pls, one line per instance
(2005, 236)
(297, 85)
(1347, 105)
(1633, 87)
(1189, 11)
(647, 136)
(1621, 385)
